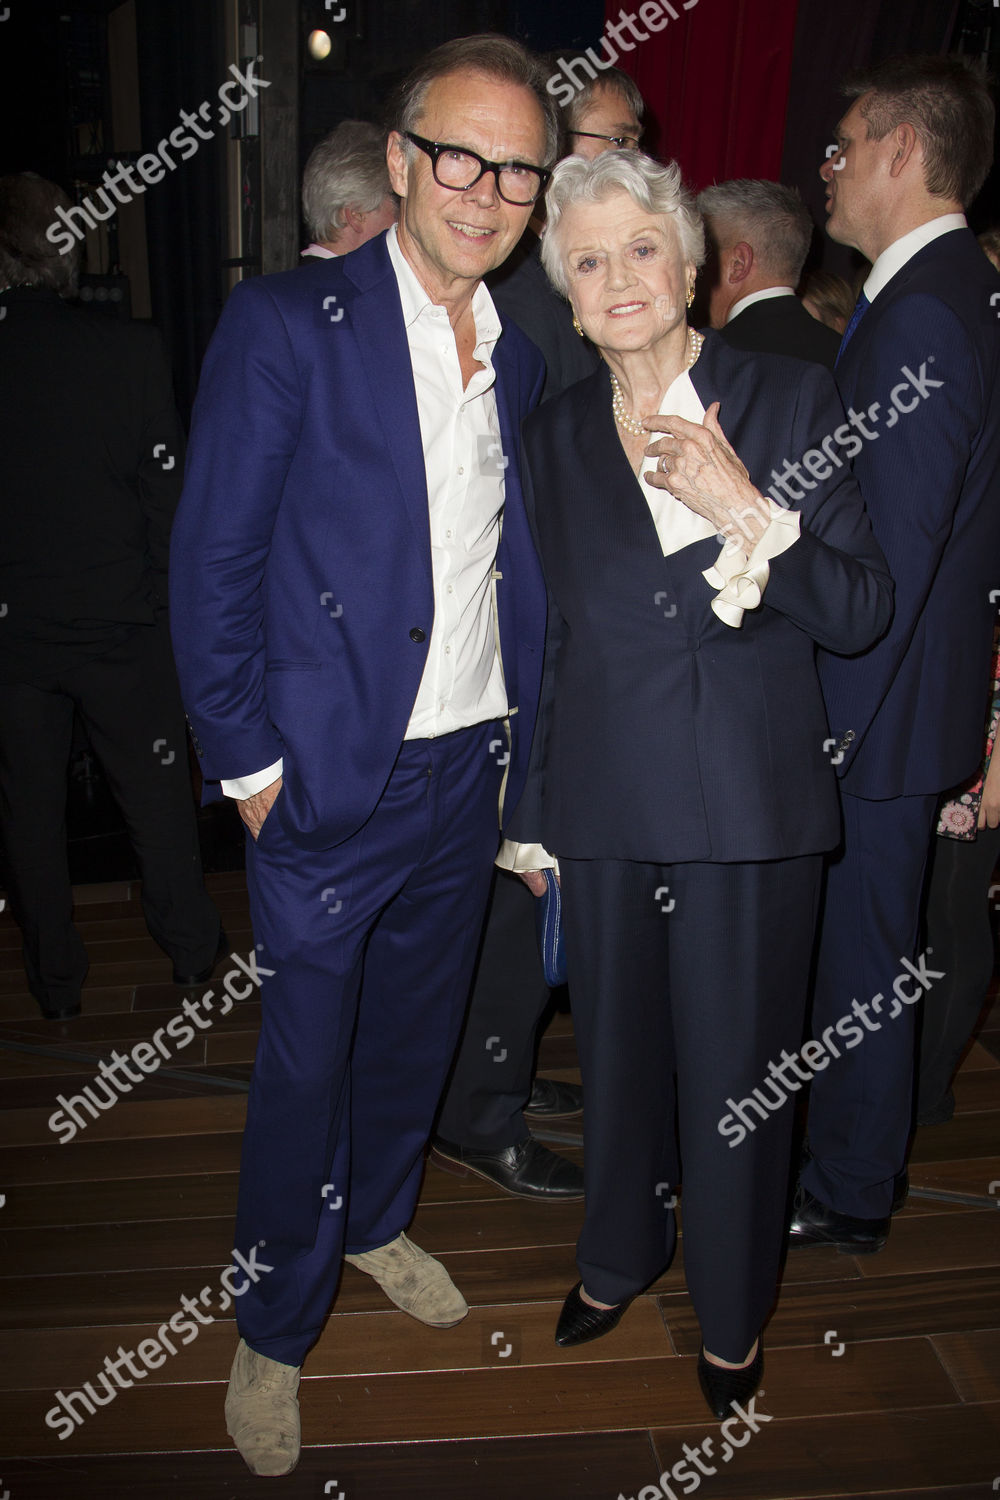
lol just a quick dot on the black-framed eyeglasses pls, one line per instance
(622, 142)
(454, 167)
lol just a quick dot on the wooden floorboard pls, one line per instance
(882, 1375)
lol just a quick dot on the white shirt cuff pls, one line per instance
(521, 859)
(242, 787)
(741, 580)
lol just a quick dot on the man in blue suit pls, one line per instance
(360, 654)
(919, 374)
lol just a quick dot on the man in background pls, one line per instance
(759, 234)
(346, 195)
(919, 376)
(91, 457)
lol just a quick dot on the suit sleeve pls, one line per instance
(524, 824)
(924, 371)
(834, 583)
(244, 432)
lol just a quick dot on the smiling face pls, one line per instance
(452, 238)
(625, 272)
(857, 179)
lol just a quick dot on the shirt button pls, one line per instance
(447, 650)
(448, 534)
(450, 589)
(418, 635)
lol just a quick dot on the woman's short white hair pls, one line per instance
(657, 189)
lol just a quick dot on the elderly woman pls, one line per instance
(682, 770)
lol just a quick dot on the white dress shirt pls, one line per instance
(462, 682)
(895, 256)
(764, 296)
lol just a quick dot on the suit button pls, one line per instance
(418, 635)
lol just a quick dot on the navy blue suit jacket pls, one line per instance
(301, 584)
(930, 477)
(667, 735)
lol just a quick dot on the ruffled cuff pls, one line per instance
(521, 859)
(741, 580)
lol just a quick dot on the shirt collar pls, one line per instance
(415, 301)
(320, 252)
(905, 248)
(764, 296)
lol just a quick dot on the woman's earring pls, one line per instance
(576, 325)
(690, 296)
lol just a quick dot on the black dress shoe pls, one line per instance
(579, 1322)
(204, 975)
(526, 1170)
(722, 1387)
(552, 1100)
(815, 1224)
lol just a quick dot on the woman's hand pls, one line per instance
(535, 881)
(700, 468)
(989, 806)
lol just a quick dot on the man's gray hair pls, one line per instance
(347, 169)
(493, 55)
(771, 218)
(614, 80)
(656, 189)
(28, 206)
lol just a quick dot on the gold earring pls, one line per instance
(576, 325)
(690, 302)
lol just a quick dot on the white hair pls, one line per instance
(657, 189)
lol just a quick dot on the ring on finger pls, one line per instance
(664, 465)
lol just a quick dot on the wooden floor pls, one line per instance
(883, 1372)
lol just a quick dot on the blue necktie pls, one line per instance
(860, 308)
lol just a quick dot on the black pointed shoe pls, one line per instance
(722, 1387)
(815, 1224)
(526, 1170)
(551, 1099)
(579, 1322)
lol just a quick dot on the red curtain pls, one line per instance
(715, 82)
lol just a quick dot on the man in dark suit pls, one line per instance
(759, 234)
(492, 1096)
(360, 654)
(919, 374)
(91, 452)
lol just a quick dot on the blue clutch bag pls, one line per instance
(548, 916)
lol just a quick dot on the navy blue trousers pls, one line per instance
(687, 981)
(860, 1105)
(372, 944)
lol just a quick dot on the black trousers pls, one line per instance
(961, 934)
(491, 1078)
(688, 980)
(130, 703)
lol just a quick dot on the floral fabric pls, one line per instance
(958, 816)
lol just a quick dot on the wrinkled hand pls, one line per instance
(253, 810)
(705, 474)
(535, 881)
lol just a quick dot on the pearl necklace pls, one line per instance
(627, 422)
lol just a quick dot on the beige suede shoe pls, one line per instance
(415, 1281)
(262, 1411)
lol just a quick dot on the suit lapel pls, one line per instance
(377, 321)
